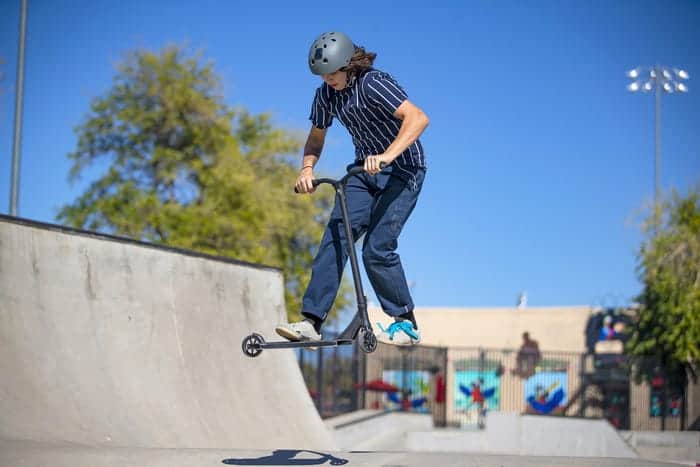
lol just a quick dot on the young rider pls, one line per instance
(384, 126)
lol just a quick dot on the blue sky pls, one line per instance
(540, 162)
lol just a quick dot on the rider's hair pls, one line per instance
(361, 60)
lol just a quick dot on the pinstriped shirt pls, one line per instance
(366, 108)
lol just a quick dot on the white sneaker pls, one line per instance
(300, 331)
(399, 333)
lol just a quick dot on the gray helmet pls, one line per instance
(330, 52)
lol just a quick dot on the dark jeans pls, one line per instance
(379, 206)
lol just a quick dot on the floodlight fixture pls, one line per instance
(682, 74)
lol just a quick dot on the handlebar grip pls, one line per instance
(314, 182)
(360, 168)
(353, 171)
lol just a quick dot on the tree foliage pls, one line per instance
(181, 168)
(668, 321)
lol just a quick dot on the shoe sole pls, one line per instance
(409, 344)
(287, 334)
(399, 344)
(293, 336)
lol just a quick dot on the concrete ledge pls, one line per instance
(528, 435)
(682, 447)
(350, 418)
(690, 439)
(378, 431)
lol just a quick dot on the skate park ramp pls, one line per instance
(118, 353)
(110, 342)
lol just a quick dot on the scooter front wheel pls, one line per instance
(367, 341)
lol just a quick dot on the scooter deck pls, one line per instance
(303, 344)
(254, 344)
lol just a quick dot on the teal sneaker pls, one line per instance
(399, 333)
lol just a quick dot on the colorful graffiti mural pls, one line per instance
(414, 390)
(546, 393)
(674, 405)
(475, 394)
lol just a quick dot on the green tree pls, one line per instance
(181, 168)
(667, 324)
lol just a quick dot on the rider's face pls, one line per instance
(337, 80)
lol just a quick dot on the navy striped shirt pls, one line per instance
(366, 108)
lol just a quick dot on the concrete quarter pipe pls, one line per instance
(108, 342)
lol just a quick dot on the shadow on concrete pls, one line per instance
(286, 457)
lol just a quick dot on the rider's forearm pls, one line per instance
(312, 152)
(309, 161)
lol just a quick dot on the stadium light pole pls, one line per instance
(657, 79)
(19, 94)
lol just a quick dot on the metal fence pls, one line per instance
(526, 382)
(333, 375)
(460, 386)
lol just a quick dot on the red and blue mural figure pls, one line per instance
(476, 393)
(545, 393)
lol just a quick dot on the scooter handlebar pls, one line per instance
(358, 169)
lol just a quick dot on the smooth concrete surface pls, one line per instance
(528, 435)
(384, 431)
(113, 343)
(27, 455)
(690, 439)
(352, 418)
(680, 446)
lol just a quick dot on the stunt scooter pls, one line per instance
(359, 328)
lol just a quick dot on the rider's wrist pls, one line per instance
(307, 167)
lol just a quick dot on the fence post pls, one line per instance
(445, 380)
(481, 404)
(664, 395)
(319, 382)
(404, 378)
(684, 393)
(363, 366)
(584, 386)
(334, 382)
(355, 371)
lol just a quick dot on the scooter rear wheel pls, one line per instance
(252, 345)
(367, 341)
